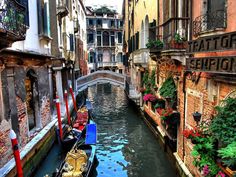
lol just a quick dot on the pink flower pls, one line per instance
(149, 97)
(205, 170)
(220, 174)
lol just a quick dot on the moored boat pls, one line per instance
(79, 160)
(71, 135)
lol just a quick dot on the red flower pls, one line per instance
(149, 97)
(191, 133)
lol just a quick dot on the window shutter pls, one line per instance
(40, 17)
(45, 19)
(71, 42)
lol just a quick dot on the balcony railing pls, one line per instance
(141, 56)
(12, 17)
(210, 21)
(106, 64)
(175, 33)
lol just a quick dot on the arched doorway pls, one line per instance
(31, 87)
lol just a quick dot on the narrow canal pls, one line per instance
(126, 147)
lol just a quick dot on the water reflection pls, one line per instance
(126, 147)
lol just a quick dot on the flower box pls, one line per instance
(227, 170)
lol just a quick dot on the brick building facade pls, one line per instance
(194, 45)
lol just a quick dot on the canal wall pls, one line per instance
(36, 150)
(177, 163)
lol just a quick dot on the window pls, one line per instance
(216, 14)
(119, 57)
(106, 41)
(121, 24)
(112, 23)
(43, 18)
(119, 37)
(91, 57)
(90, 22)
(99, 38)
(90, 38)
(25, 4)
(112, 38)
(71, 42)
(100, 57)
(113, 58)
(99, 23)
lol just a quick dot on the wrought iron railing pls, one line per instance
(175, 32)
(210, 21)
(12, 17)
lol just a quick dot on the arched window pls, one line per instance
(106, 41)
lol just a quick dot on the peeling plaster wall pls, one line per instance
(42, 102)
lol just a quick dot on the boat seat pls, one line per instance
(76, 162)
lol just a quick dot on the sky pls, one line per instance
(117, 3)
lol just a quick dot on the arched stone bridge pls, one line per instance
(101, 77)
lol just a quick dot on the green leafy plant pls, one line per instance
(160, 103)
(145, 78)
(178, 39)
(204, 154)
(228, 155)
(169, 90)
(154, 44)
(149, 82)
(223, 125)
(152, 78)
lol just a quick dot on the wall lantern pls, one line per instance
(197, 117)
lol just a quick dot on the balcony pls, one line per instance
(91, 27)
(210, 22)
(175, 34)
(141, 56)
(62, 9)
(106, 64)
(12, 27)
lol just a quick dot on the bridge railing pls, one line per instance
(100, 76)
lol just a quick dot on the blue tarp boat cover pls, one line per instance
(91, 134)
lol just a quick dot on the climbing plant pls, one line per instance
(223, 125)
(168, 89)
(149, 81)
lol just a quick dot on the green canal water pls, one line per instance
(126, 147)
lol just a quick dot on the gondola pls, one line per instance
(79, 160)
(71, 134)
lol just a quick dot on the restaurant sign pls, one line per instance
(224, 65)
(226, 41)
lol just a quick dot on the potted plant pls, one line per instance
(178, 41)
(192, 134)
(228, 156)
(154, 44)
